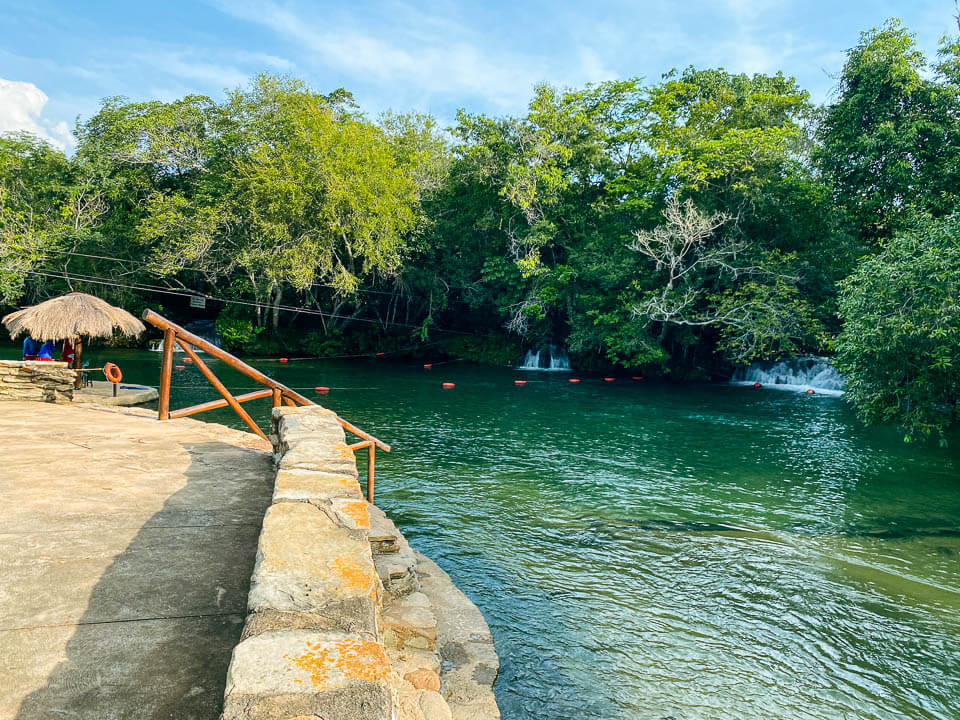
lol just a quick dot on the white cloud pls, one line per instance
(21, 109)
(417, 57)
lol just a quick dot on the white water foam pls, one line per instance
(550, 358)
(796, 375)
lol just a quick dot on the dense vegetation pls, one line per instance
(680, 227)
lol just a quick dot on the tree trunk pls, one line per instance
(275, 320)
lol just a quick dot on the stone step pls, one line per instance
(384, 536)
(395, 561)
(409, 622)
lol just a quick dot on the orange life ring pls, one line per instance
(112, 372)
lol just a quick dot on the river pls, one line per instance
(655, 550)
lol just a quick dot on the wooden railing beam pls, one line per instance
(289, 396)
(370, 463)
(215, 404)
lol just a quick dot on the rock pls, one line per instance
(394, 558)
(409, 626)
(423, 679)
(314, 485)
(284, 674)
(470, 663)
(433, 706)
(31, 380)
(406, 660)
(308, 563)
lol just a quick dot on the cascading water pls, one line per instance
(207, 329)
(549, 357)
(797, 374)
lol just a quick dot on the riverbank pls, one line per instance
(339, 624)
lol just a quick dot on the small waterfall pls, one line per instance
(549, 357)
(207, 329)
(797, 374)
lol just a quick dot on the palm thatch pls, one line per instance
(70, 316)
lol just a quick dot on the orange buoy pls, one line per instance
(519, 382)
(574, 380)
(188, 360)
(449, 385)
(380, 354)
(180, 367)
(427, 366)
(322, 389)
(283, 360)
(811, 391)
(638, 377)
(112, 372)
(609, 379)
(758, 385)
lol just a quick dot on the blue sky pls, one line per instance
(57, 59)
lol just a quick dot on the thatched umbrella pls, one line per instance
(70, 317)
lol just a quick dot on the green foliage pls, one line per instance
(493, 349)
(889, 144)
(900, 345)
(35, 209)
(236, 330)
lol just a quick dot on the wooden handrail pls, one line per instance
(214, 404)
(174, 334)
(237, 364)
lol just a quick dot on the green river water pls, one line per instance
(655, 550)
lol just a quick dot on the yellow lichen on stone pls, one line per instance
(362, 660)
(352, 574)
(357, 511)
(315, 662)
(354, 658)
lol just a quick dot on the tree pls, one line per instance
(42, 210)
(288, 188)
(889, 142)
(900, 344)
(760, 318)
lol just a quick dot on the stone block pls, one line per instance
(315, 485)
(319, 454)
(290, 673)
(423, 679)
(308, 563)
(412, 626)
(433, 706)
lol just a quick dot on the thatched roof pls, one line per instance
(70, 316)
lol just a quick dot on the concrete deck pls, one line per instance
(126, 549)
(101, 393)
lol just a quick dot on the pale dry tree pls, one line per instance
(684, 244)
(688, 242)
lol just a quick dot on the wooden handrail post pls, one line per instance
(277, 397)
(166, 368)
(371, 450)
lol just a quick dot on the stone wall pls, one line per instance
(36, 380)
(339, 626)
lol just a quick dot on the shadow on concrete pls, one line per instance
(160, 625)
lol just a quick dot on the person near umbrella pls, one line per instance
(30, 347)
(67, 354)
(47, 351)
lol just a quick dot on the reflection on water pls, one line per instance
(654, 551)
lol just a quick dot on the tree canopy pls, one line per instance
(681, 226)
